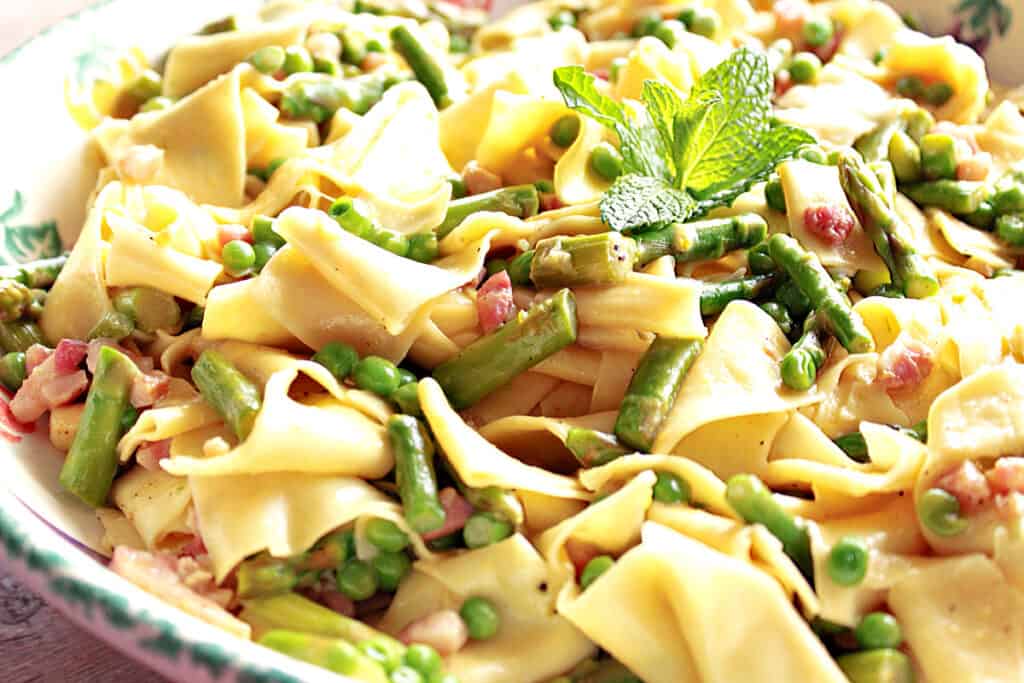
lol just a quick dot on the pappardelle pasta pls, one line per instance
(603, 342)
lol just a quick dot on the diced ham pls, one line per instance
(827, 51)
(324, 45)
(69, 355)
(549, 201)
(1010, 506)
(830, 223)
(230, 232)
(975, 167)
(968, 485)
(456, 511)
(444, 630)
(143, 363)
(783, 82)
(148, 388)
(905, 364)
(478, 179)
(602, 73)
(159, 575)
(1007, 475)
(35, 356)
(194, 548)
(494, 303)
(151, 453)
(373, 61)
(339, 602)
(790, 17)
(63, 389)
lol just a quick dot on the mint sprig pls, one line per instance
(684, 158)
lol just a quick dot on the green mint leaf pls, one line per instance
(778, 144)
(688, 124)
(638, 201)
(643, 150)
(730, 132)
(662, 104)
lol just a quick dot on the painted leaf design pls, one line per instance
(26, 242)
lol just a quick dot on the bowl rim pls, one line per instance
(69, 578)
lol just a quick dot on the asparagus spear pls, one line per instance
(884, 665)
(905, 156)
(519, 268)
(938, 156)
(494, 499)
(15, 298)
(754, 502)
(781, 316)
(715, 296)
(91, 462)
(700, 240)
(907, 268)
(265, 576)
(521, 201)
(955, 196)
(493, 360)
(414, 474)
(427, 71)
(36, 274)
(834, 310)
(18, 335)
(653, 389)
(799, 367)
(12, 370)
(230, 392)
(593, 448)
(1010, 229)
(874, 145)
(331, 654)
(294, 612)
(600, 259)
(856, 448)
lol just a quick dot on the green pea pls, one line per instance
(12, 370)
(238, 257)
(357, 580)
(459, 44)
(669, 32)
(264, 251)
(616, 68)
(376, 374)
(594, 569)
(687, 16)
(484, 528)
(339, 546)
(910, 86)
(774, 195)
(407, 398)
(386, 535)
(670, 488)
(606, 161)
(705, 23)
(937, 94)
(385, 653)
(157, 104)
(269, 59)
(848, 561)
(374, 45)
(481, 617)
(422, 247)
(546, 186)
(817, 32)
(561, 19)
(338, 357)
(879, 630)
(297, 60)
(424, 659)
(813, 154)
(391, 568)
(646, 24)
(565, 130)
(939, 511)
(759, 260)
(406, 674)
(805, 67)
(879, 56)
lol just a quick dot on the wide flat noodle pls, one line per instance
(156, 503)
(323, 314)
(401, 286)
(282, 512)
(195, 60)
(326, 433)
(968, 597)
(737, 374)
(480, 464)
(532, 644)
(236, 311)
(683, 597)
(645, 303)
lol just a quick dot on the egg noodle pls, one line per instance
(604, 341)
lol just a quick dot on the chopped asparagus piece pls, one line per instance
(593, 448)
(230, 392)
(600, 259)
(414, 474)
(521, 201)
(715, 296)
(702, 240)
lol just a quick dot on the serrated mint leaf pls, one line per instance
(730, 132)
(662, 104)
(688, 123)
(635, 202)
(642, 148)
